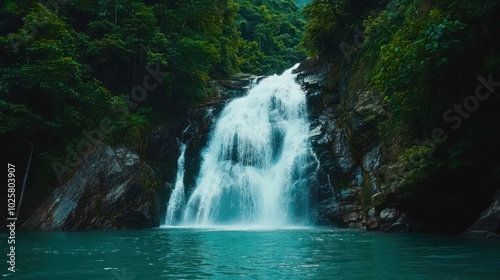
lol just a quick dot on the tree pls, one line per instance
(322, 30)
(275, 26)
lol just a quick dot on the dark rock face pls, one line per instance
(237, 86)
(162, 150)
(393, 220)
(355, 186)
(196, 137)
(112, 189)
(338, 178)
(343, 133)
(359, 182)
(341, 213)
(311, 75)
(488, 224)
(363, 112)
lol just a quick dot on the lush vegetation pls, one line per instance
(272, 29)
(73, 73)
(433, 63)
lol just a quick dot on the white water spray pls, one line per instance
(177, 198)
(258, 164)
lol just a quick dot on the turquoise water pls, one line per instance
(301, 253)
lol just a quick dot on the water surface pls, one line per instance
(223, 253)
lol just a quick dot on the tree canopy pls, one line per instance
(65, 66)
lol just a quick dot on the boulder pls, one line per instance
(488, 224)
(342, 214)
(372, 221)
(112, 189)
(392, 220)
(236, 86)
(388, 214)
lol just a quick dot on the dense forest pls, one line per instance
(110, 70)
(435, 66)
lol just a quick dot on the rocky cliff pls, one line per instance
(362, 181)
(116, 188)
(359, 183)
(343, 129)
(112, 189)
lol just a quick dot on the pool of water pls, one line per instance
(233, 253)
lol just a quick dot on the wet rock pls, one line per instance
(372, 221)
(203, 119)
(311, 76)
(312, 73)
(112, 189)
(388, 214)
(371, 163)
(237, 86)
(348, 195)
(342, 214)
(322, 128)
(363, 111)
(357, 177)
(392, 220)
(488, 224)
(351, 213)
(321, 132)
(337, 168)
(328, 212)
(400, 225)
(342, 150)
(161, 143)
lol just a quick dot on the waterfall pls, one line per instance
(177, 198)
(258, 165)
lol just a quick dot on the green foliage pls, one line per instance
(424, 58)
(366, 193)
(271, 31)
(192, 60)
(458, 154)
(467, 10)
(130, 128)
(46, 85)
(408, 61)
(419, 164)
(321, 32)
(250, 57)
(16, 117)
(420, 46)
(66, 69)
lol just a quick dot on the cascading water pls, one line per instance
(258, 165)
(177, 198)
